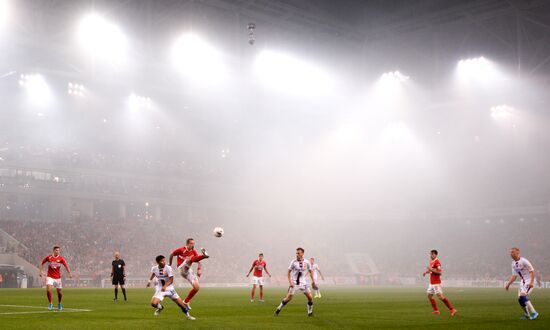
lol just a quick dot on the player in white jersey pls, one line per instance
(522, 267)
(164, 287)
(316, 272)
(298, 271)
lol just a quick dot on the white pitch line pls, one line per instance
(67, 310)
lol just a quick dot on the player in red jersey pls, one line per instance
(53, 278)
(435, 271)
(258, 265)
(186, 256)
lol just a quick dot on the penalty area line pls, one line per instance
(66, 310)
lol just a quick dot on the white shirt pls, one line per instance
(299, 271)
(163, 275)
(523, 269)
(315, 270)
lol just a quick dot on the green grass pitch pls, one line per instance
(340, 308)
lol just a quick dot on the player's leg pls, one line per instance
(261, 293)
(155, 303)
(116, 290)
(253, 292)
(121, 282)
(49, 295)
(195, 288)
(446, 302)
(285, 300)
(309, 296)
(59, 297)
(433, 303)
(180, 303)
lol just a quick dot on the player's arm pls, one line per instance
(322, 276)
(40, 272)
(112, 270)
(151, 277)
(312, 279)
(168, 283)
(290, 279)
(511, 280)
(532, 283)
(64, 262)
(124, 270)
(436, 270)
(250, 271)
(266, 271)
(170, 258)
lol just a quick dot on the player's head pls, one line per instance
(433, 254)
(300, 253)
(312, 260)
(117, 255)
(190, 243)
(514, 253)
(56, 250)
(161, 260)
(261, 256)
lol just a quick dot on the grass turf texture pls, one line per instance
(231, 308)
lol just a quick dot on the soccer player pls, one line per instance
(53, 277)
(165, 287)
(186, 256)
(435, 271)
(522, 267)
(316, 272)
(118, 275)
(297, 280)
(258, 265)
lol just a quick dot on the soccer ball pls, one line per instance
(218, 231)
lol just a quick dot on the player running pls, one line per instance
(258, 265)
(165, 287)
(118, 275)
(186, 256)
(53, 278)
(297, 280)
(435, 271)
(316, 272)
(522, 267)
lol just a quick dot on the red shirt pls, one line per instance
(54, 266)
(183, 253)
(435, 278)
(258, 267)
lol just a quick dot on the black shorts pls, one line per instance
(118, 280)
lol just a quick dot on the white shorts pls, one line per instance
(258, 280)
(188, 274)
(302, 287)
(55, 282)
(170, 292)
(524, 289)
(434, 289)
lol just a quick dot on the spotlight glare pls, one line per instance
(197, 59)
(102, 39)
(502, 112)
(476, 69)
(75, 89)
(291, 74)
(36, 87)
(136, 102)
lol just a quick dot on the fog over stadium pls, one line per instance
(366, 132)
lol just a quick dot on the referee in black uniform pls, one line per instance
(118, 274)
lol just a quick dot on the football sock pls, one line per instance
(523, 303)
(184, 310)
(190, 295)
(197, 258)
(158, 306)
(253, 293)
(530, 307)
(59, 296)
(434, 304)
(282, 304)
(116, 293)
(447, 303)
(310, 307)
(261, 295)
(124, 293)
(49, 294)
